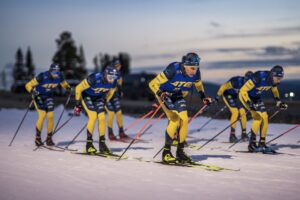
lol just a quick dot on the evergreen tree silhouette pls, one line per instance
(29, 64)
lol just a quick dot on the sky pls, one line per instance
(227, 34)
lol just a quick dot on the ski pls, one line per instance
(191, 165)
(128, 140)
(270, 153)
(66, 149)
(110, 156)
(53, 148)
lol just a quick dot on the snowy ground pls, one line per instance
(44, 174)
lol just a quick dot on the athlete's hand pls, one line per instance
(281, 105)
(207, 101)
(163, 95)
(252, 106)
(34, 92)
(69, 89)
(77, 110)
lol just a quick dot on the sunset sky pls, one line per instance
(225, 33)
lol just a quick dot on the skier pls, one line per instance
(93, 92)
(229, 91)
(170, 87)
(42, 89)
(113, 107)
(250, 96)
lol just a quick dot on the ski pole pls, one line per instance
(158, 152)
(141, 131)
(21, 123)
(220, 132)
(63, 124)
(66, 147)
(198, 113)
(282, 134)
(212, 118)
(65, 106)
(138, 120)
(153, 123)
(274, 114)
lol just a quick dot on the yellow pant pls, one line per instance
(260, 121)
(41, 117)
(176, 120)
(93, 116)
(110, 118)
(235, 114)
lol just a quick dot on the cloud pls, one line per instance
(156, 56)
(252, 63)
(267, 32)
(278, 52)
(214, 24)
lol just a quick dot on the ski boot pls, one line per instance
(244, 136)
(49, 141)
(181, 156)
(252, 147)
(111, 135)
(232, 137)
(103, 147)
(90, 147)
(89, 144)
(123, 136)
(262, 147)
(38, 139)
(167, 156)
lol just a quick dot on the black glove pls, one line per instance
(34, 92)
(69, 89)
(163, 95)
(281, 105)
(252, 106)
(77, 109)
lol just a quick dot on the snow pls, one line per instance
(43, 174)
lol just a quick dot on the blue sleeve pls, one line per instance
(256, 78)
(170, 71)
(236, 82)
(91, 79)
(40, 78)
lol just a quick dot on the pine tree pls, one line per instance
(71, 63)
(125, 62)
(19, 72)
(29, 64)
(105, 61)
(96, 64)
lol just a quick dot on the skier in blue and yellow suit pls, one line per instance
(229, 91)
(250, 96)
(93, 92)
(113, 107)
(170, 87)
(42, 88)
